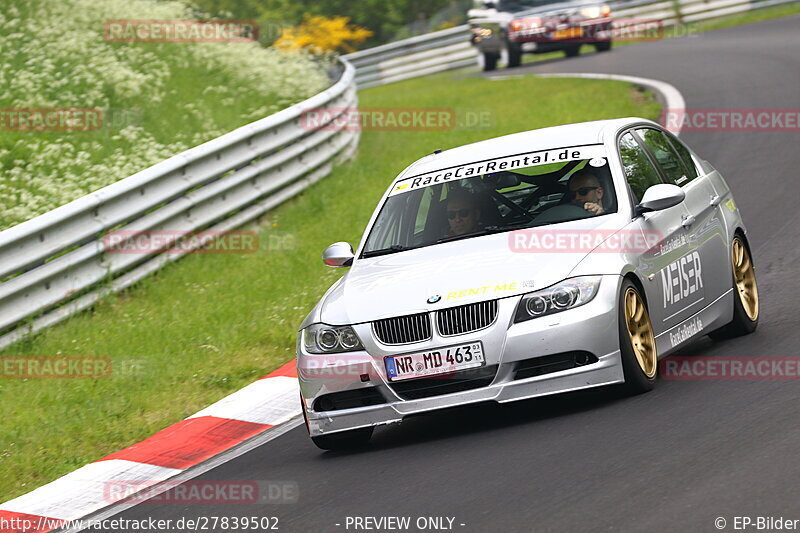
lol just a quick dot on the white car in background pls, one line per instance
(531, 264)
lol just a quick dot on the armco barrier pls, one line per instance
(418, 56)
(55, 265)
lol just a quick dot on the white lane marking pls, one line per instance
(672, 96)
(202, 468)
(267, 401)
(87, 489)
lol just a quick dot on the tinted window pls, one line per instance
(686, 157)
(638, 170)
(667, 158)
(418, 214)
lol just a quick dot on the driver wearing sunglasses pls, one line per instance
(462, 213)
(585, 191)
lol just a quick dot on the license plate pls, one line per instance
(569, 33)
(434, 362)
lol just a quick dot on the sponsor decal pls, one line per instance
(682, 278)
(520, 161)
(433, 299)
(730, 205)
(686, 331)
(486, 289)
(672, 244)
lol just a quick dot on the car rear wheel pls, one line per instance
(514, 55)
(572, 51)
(490, 62)
(746, 305)
(344, 440)
(637, 341)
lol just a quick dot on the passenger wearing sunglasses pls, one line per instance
(462, 213)
(585, 191)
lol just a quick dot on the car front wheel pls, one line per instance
(637, 342)
(604, 46)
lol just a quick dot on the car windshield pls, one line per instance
(519, 5)
(504, 194)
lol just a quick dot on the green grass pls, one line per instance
(205, 327)
(748, 17)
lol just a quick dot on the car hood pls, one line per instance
(457, 272)
(569, 7)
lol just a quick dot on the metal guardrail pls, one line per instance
(674, 11)
(450, 49)
(55, 265)
(418, 56)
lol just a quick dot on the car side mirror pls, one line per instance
(338, 254)
(659, 197)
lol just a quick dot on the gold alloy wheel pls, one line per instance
(640, 332)
(745, 277)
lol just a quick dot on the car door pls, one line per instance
(660, 265)
(704, 226)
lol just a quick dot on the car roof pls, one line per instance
(578, 134)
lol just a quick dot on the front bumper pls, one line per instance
(547, 37)
(591, 328)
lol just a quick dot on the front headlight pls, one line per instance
(321, 338)
(596, 12)
(564, 295)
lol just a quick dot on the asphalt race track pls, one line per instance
(671, 460)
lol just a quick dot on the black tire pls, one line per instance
(636, 381)
(572, 51)
(741, 323)
(490, 62)
(345, 440)
(514, 55)
(603, 47)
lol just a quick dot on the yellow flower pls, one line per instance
(319, 35)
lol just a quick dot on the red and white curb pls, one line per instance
(265, 404)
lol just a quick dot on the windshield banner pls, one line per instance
(519, 161)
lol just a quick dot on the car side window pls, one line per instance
(665, 155)
(686, 157)
(640, 173)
